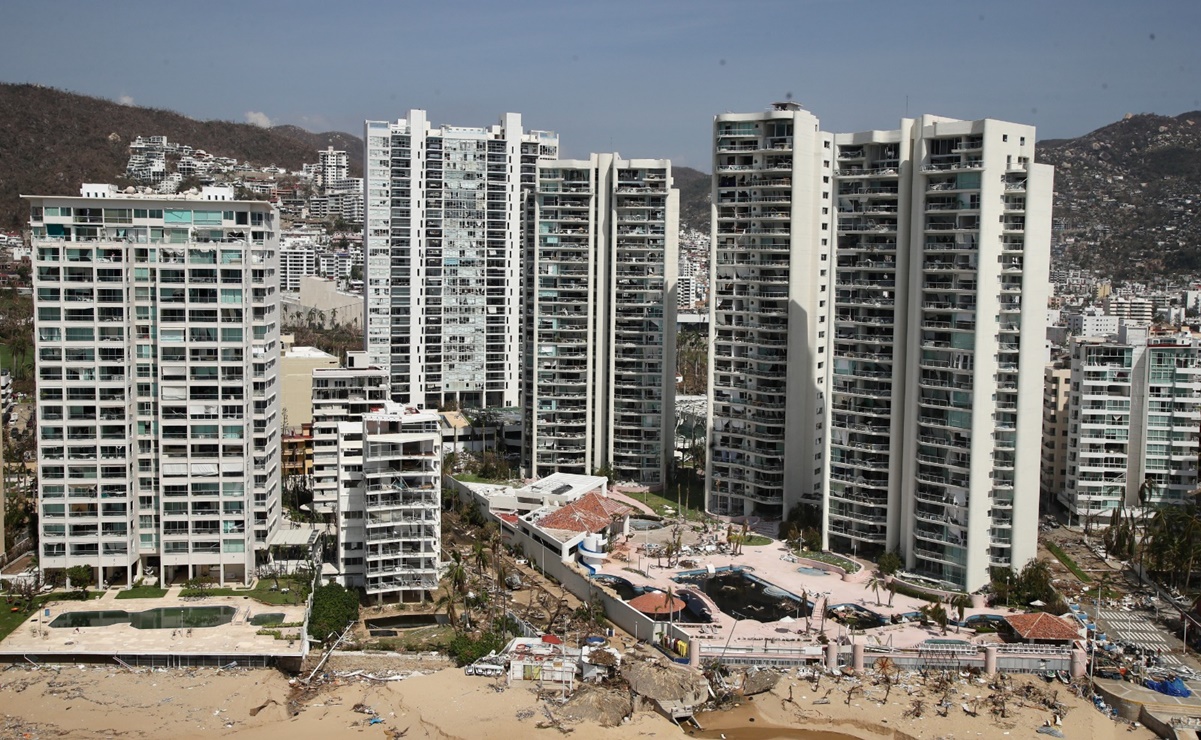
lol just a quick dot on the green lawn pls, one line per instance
(10, 620)
(688, 496)
(143, 592)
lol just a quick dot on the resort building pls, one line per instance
(600, 319)
(769, 327)
(943, 250)
(443, 256)
(158, 383)
(1135, 408)
(902, 277)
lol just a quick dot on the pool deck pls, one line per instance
(767, 563)
(34, 637)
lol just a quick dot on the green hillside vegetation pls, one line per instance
(52, 141)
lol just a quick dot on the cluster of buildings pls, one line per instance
(877, 307)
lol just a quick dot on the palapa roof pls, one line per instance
(591, 512)
(656, 602)
(1042, 626)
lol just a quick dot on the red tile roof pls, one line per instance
(591, 512)
(1042, 626)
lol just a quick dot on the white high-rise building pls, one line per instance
(940, 316)
(294, 264)
(600, 319)
(334, 166)
(770, 276)
(902, 275)
(158, 383)
(443, 249)
(1134, 410)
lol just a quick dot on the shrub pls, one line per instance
(333, 608)
(464, 649)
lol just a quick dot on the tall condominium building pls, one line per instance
(1134, 412)
(443, 249)
(940, 317)
(770, 277)
(158, 383)
(600, 319)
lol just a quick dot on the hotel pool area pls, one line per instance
(807, 571)
(183, 617)
(743, 596)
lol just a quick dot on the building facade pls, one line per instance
(770, 275)
(1057, 384)
(340, 394)
(443, 256)
(600, 319)
(158, 383)
(940, 316)
(389, 503)
(1135, 409)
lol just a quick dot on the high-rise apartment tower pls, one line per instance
(600, 319)
(443, 256)
(158, 383)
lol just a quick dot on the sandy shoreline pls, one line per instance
(100, 702)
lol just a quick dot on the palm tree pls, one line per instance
(875, 583)
(961, 602)
(446, 602)
(456, 572)
(891, 586)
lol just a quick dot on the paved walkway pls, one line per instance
(768, 563)
(1134, 628)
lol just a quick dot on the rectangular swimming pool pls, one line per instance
(178, 617)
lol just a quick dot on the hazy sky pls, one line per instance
(643, 78)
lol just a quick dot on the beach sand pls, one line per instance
(88, 702)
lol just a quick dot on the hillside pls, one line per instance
(1126, 196)
(694, 187)
(51, 141)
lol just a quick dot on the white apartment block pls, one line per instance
(294, 264)
(1135, 409)
(389, 503)
(1092, 322)
(686, 292)
(443, 244)
(334, 166)
(769, 328)
(340, 394)
(158, 383)
(1139, 310)
(600, 310)
(940, 317)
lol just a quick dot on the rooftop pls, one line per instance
(592, 512)
(1042, 626)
